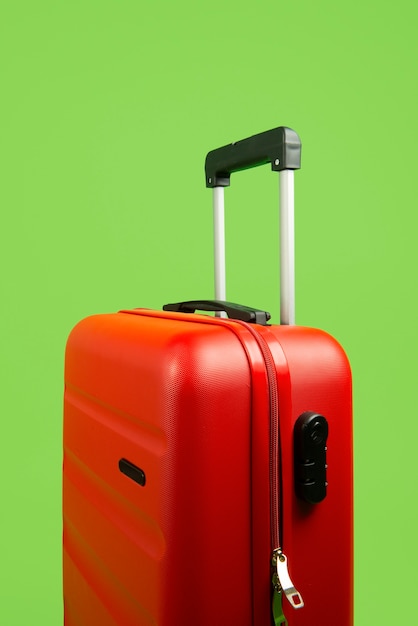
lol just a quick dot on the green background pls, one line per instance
(107, 110)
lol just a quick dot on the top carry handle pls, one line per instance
(281, 147)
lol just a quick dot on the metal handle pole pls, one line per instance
(219, 245)
(287, 247)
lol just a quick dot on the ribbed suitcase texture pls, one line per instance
(167, 473)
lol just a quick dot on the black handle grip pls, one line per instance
(280, 146)
(235, 311)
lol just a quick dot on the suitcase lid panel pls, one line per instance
(173, 394)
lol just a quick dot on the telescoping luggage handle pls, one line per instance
(282, 148)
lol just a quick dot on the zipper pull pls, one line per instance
(278, 615)
(283, 579)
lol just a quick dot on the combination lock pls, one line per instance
(310, 450)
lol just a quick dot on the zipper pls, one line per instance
(281, 581)
(274, 464)
(282, 584)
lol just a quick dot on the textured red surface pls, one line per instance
(185, 398)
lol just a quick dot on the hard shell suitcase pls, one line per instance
(208, 460)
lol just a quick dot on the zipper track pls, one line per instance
(275, 451)
(282, 583)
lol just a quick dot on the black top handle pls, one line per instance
(280, 146)
(234, 311)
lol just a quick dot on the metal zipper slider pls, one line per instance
(286, 585)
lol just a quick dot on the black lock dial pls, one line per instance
(310, 449)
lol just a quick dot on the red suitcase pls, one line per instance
(208, 460)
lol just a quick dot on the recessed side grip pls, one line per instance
(310, 439)
(132, 471)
